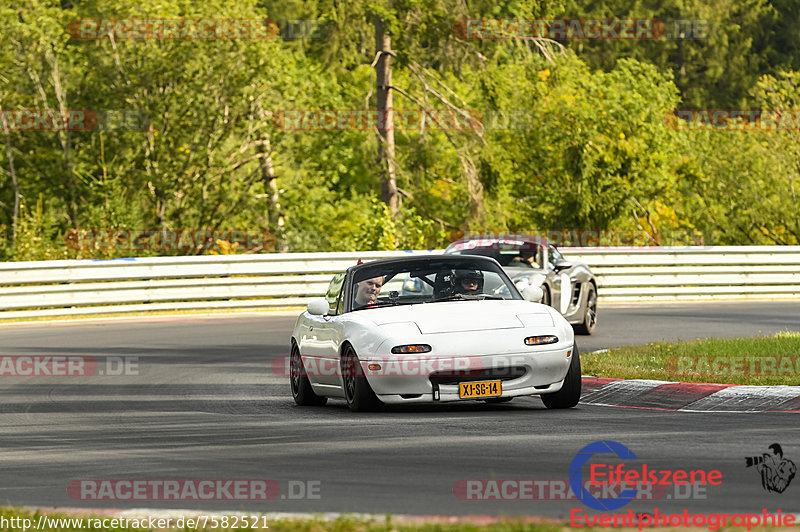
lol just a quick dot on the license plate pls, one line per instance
(471, 390)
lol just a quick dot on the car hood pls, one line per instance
(461, 316)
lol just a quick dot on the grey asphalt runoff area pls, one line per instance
(195, 397)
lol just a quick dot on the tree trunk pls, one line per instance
(271, 189)
(64, 139)
(474, 192)
(383, 69)
(13, 172)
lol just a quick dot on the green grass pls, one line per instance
(315, 524)
(760, 361)
(345, 524)
(319, 524)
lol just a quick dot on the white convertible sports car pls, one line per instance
(431, 329)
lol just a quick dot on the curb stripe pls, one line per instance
(792, 405)
(746, 399)
(620, 392)
(590, 384)
(689, 397)
(637, 407)
(677, 395)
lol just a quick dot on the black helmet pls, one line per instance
(467, 275)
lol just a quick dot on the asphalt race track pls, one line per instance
(196, 398)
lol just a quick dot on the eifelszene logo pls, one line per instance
(624, 482)
(776, 471)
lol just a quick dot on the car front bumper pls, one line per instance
(424, 380)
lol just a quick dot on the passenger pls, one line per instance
(468, 281)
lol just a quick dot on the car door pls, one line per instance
(321, 353)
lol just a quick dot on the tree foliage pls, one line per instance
(561, 135)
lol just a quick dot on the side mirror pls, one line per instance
(318, 307)
(562, 265)
(534, 294)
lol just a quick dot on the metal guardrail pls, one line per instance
(692, 273)
(85, 287)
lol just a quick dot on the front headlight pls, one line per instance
(541, 340)
(411, 348)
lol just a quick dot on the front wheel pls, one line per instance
(302, 392)
(589, 323)
(357, 392)
(570, 393)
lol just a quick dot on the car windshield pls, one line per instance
(508, 254)
(430, 282)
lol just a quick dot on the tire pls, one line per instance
(570, 393)
(357, 392)
(302, 392)
(589, 323)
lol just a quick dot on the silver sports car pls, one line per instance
(569, 287)
(431, 329)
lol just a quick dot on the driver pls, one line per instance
(367, 292)
(525, 259)
(468, 281)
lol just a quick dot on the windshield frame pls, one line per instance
(390, 268)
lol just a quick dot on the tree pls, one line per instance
(741, 179)
(715, 49)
